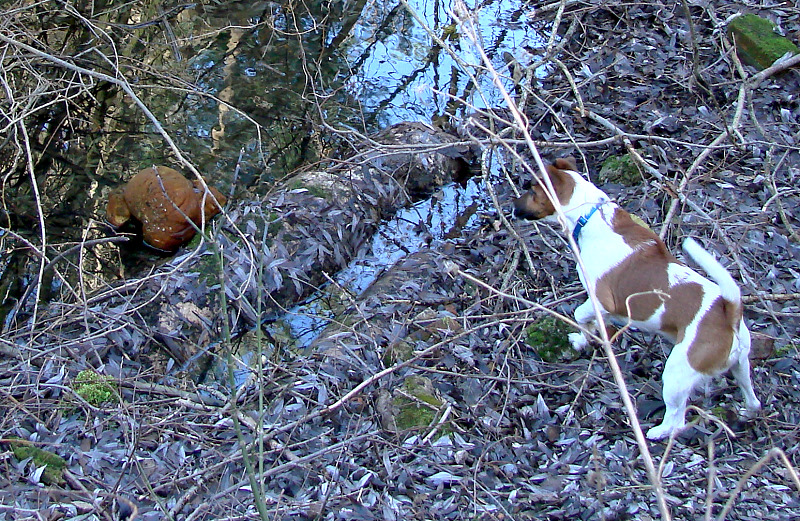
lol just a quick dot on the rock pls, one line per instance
(53, 464)
(413, 406)
(549, 338)
(762, 346)
(620, 169)
(162, 199)
(757, 42)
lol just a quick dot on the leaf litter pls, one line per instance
(513, 436)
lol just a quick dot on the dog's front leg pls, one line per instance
(585, 318)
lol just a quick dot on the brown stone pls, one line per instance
(165, 202)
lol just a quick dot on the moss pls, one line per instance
(757, 43)
(417, 407)
(412, 416)
(397, 352)
(316, 191)
(193, 242)
(208, 268)
(430, 323)
(55, 464)
(422, 389)
(274, 224)
(620, 169)
(784, 350)
(718, 411)
(548, 337)
(95, 388)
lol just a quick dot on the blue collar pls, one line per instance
(583, 220)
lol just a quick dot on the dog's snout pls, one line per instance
(517, 205)
(522, 207)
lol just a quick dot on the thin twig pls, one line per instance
(775, 452)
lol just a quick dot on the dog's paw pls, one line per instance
(578, 341)
(658, 433)
(751, 410)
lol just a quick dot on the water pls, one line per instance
(241, 96)
(423, 224)
(413, 228)
(403, 76)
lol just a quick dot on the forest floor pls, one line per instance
(500, 428)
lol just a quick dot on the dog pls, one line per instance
(637, 281)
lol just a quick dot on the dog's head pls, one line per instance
(535, 204)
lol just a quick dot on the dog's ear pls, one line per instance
(566, 163)
(562, 182)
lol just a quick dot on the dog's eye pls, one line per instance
(526, 184)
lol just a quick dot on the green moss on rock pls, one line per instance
(549, 338)
(274, 223)
(208, 269)
(53, 473)
(757, 43)
(313, 189)
(620, 169)
(785, 350)
(95, 388)
(399, 351)
(417, 406)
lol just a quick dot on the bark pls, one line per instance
(267, 254)
(411, 306)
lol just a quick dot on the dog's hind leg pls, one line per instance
(679, 379)
(741, 372)
(585, 318)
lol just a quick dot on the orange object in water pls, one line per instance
(162, 199)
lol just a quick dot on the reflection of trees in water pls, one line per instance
(219, 79)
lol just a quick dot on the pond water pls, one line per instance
(426, 223)
(382, 70)
(403, 77)
(254, 89)
(274, 70)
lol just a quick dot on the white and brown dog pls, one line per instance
(637, 280)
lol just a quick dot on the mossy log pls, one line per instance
(409, 308)
(265, 255)
(757, 42)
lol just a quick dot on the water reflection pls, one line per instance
(258, 84)
(426, 223)
(400, 74)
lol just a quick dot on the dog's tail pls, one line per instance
(728, 287)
